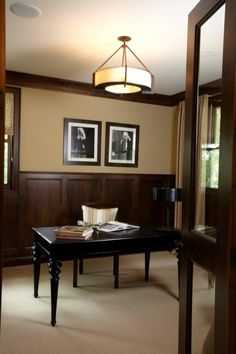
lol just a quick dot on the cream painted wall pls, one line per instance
(41, 139)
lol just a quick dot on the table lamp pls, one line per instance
(166, 195)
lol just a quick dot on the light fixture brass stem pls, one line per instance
(138, 59)
(109, 58)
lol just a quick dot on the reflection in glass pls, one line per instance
(211, 48)
(208, 125)
(203, 312)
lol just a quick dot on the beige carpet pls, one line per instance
(137, 318)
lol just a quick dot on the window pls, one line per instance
(211, 150)
(11, 137)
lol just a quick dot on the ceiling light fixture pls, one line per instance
(123, 79)
(25, 10)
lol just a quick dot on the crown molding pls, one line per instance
(50, 83)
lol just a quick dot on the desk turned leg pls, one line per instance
(116, 270)
(54, 270)
(37, 263)
(81, 265)
(75, 273)
(147, 264)
(179, 245)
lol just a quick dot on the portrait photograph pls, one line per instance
(121, 145)
(82, 142)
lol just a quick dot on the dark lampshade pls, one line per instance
(169, 195)
(166, 195)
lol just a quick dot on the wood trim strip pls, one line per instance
(2, 128)
(211, 88)
(13, 184)
(81, 88)
(50, 83)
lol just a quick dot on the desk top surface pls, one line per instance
(48, 235)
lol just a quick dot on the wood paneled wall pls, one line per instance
(50, 199)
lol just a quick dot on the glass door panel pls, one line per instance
(208, 124)
(203, 311)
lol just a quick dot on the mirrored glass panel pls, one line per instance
(203, 311)
(208, 124)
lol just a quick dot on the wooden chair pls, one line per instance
(95, 213)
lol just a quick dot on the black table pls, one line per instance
(145, 239)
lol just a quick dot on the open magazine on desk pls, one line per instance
(116, 226)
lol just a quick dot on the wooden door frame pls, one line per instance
(2, 120)
(225, 300)
(217, 256)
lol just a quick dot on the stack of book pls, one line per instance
(74, 232)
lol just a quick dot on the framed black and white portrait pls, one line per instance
(82, 142)
(122, 141)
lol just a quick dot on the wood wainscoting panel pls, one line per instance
(211, 200)
(51, 199)
(11, 207)
(79, 190)
(42, 204)
(10, 229)
(120, 191)
(149, 211)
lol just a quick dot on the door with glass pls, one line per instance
(207, 318)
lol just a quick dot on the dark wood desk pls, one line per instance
(145, 239)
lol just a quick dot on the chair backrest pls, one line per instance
(95, 213)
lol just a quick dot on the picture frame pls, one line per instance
(82, 142)
(122, 144)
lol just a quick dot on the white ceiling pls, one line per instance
(73, 37)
